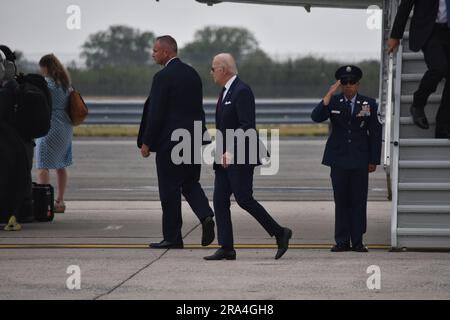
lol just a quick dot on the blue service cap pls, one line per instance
(349, 72)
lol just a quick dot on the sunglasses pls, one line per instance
(347, 81)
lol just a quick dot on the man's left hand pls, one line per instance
(145, 151)
(372, 168)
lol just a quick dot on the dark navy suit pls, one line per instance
(354, 143)
(237, 111)
(175, 102)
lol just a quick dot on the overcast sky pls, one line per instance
(39, 27)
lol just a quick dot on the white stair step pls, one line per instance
(434, 98)
(412, 56)
(423, 232)
(409, 120)
(412, 77)
(424, 143)
(423, 164)
(414, 186)
(423, 208)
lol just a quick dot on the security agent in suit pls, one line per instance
(236, 110)
(429, 32)
(175, 102)
(14, 161)
(353, 150)
(24, 211)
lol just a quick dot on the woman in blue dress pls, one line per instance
(54, 151)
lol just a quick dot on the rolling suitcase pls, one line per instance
(43, 202)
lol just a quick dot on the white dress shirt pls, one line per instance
(170, 61)
(228, 85)
(442, 12)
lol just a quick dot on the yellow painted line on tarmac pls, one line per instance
(73, 246)
(186, 246)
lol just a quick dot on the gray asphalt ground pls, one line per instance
(113, 169)
(107, 234)
(108, 241)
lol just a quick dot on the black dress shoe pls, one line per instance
(222, 254)
(419, 118)
(360, 248)
(167, 245)
(208, 234)
(283, 242)
(340, 248)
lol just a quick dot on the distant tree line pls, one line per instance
(118, 62)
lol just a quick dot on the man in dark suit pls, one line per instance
(430, 33)
(353, 150)
(234, 170)
(175, 102)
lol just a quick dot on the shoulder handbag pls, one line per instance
(77, 110)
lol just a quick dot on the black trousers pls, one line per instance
(24, 212)
(350, 188)
(437, 57)
(238, 180)
(174, 180)
(16, 158)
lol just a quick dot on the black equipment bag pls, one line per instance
(43, 202)
(33, 111)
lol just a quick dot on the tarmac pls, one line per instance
(108, 242)
(113, 169)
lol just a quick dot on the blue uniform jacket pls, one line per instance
(355, 138)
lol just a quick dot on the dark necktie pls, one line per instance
(349, 105)
(219, 102)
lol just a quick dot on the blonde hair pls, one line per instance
(56, 70)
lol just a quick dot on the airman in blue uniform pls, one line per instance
(353, 150)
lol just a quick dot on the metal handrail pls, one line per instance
(396, 134)
(389, 113)
(388, 116)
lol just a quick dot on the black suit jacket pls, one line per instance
(237, 111)
(175, 102)
(422, 22)
(13, 158)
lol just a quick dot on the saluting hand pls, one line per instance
(145, 151)
(331, 92)
(372, 168)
